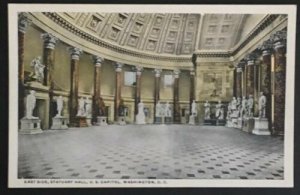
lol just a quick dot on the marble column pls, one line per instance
(156, 89)
(73, 101)
(118, 69)
(97, 85)
(23, 23)
(265, 78)
(192, 88)
(279, 39)
(176, 110)
(48, 60)
(137, 97)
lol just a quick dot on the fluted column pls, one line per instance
(48, 59)
(176, 112)
(279, 40)
(118, 69)
(73, 101)
(192, 88)
(23, 23)
(97, 86)
(156, 89)
(265, 83)
(137, 97)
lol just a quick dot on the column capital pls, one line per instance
(176, 73)
(279, 39)
(75, 52)
(192, 72)
(23, 22)
(138, 70)
(49, 40)
(118, 67)
(251, 58)
(97, 60)
(157, 72)
(266, 48)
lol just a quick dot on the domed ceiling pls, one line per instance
(162, 33)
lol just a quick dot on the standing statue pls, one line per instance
(228, 111)
(88, 107)
(233, 104)
(59, 105)
(243, 109)
(206, 110)
(81, 107)
(250, 103)
(194, 108)
(38, 69)
(219, 110)
(158, 109)
(30, 105)
(101, 107)
(168, 112)
(140, 117)
(262, 105)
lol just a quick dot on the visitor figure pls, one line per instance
(243, 110)
(168, 110)
(194, 108)
(262, 105)
(81, 109)
(206, 110)
(219, 111)
(30, 105)
(59, 104)
(158, 109)
(250, 103)
(38, 69)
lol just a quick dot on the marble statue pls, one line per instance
(88, 107)
(59, 104)
(30, 105)
(38, 69)
(101, 107)
(81, 107)
(250, 103)
(194, 108)
(168, 112)
(243, 109)
(158, 109)
(140, 117)
(228, 111)
(207, 110)
(262, 105)
(233, 104)
(219, 111)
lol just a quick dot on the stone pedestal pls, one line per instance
(101, 121)
(59, 122)
(240, 123)
(158, 120)
(80, 121)
(168, 120)
(89, 121)
(261, 126)
(121, 120)
(183, 120)
(140, 119)
(248, 125)
(192, 120)
(30, 126)
(221, 122)
(229, 123)
(234, 122)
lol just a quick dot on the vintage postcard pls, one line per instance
(151, 95)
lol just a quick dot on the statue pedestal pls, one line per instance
(140, 119)
(234, 122)
(101, 121)
(121, 120)
(192, 120)
(229, 123)
(261, 126)
(248, 125)
(240, 123)
(158, 120)
(168, 120)
(30, 126)
(80, 121)
(59, 122)
(89, 121)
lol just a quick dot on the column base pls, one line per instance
(59, 122)
(30, 126)
(248, 125)
(261, 126)
(121, 120)
(101, 121)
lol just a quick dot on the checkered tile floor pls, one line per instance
(150, 151)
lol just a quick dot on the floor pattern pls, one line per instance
(150, 152)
